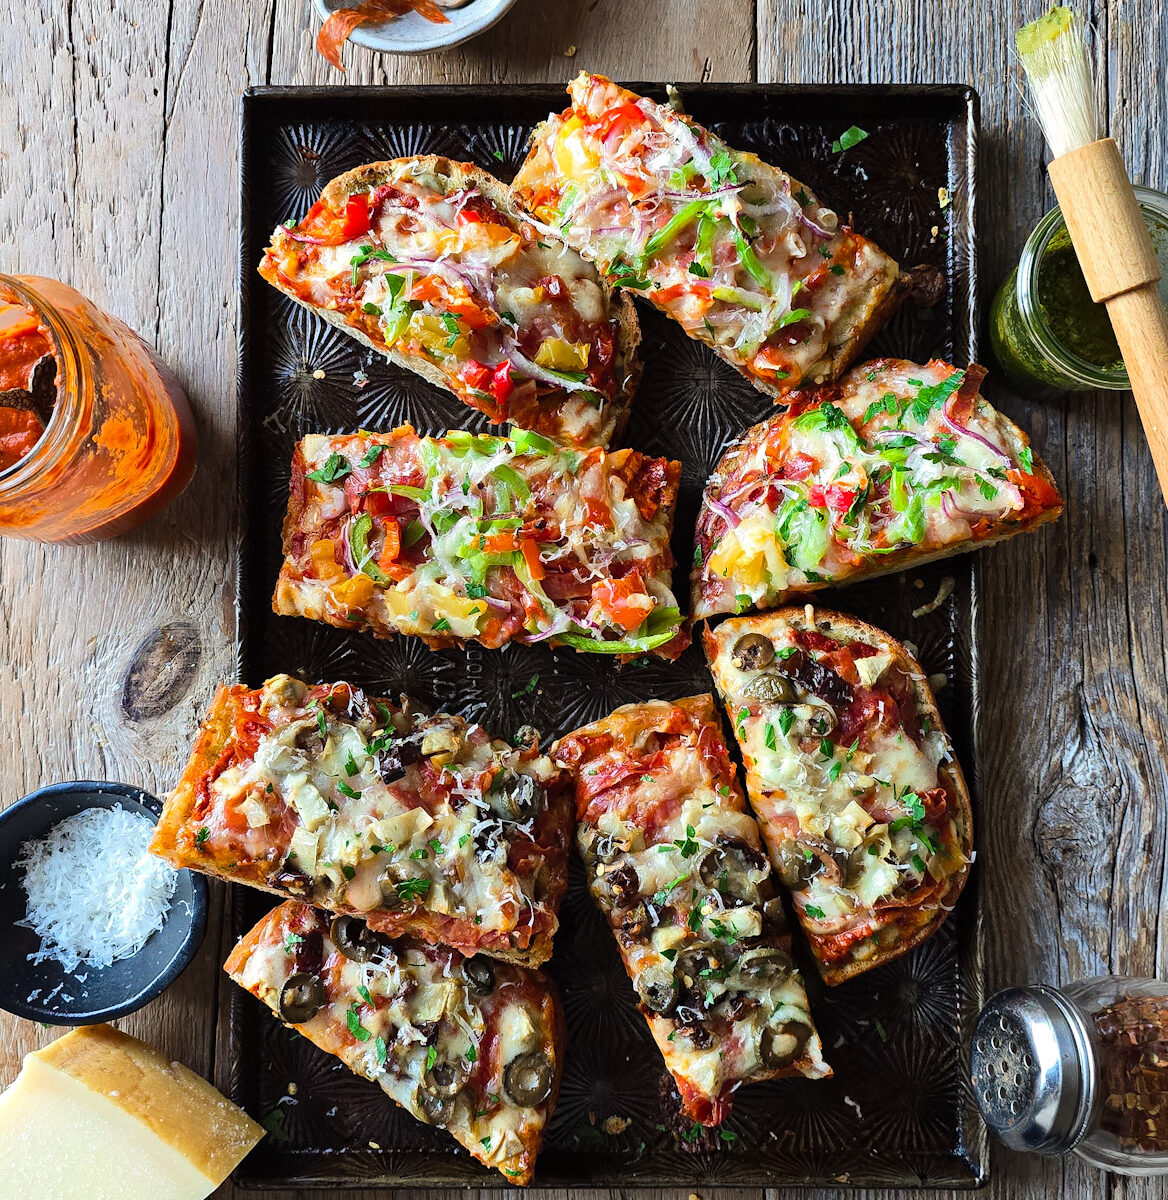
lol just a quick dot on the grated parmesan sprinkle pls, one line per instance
(95, 894)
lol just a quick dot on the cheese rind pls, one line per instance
(100, 1106)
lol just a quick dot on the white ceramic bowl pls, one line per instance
(413, 34)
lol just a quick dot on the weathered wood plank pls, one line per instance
(1073, 785)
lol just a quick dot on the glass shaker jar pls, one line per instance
(118, 440)
(1045, 330)
(1082, 1068)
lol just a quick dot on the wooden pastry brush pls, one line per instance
(1103, 217)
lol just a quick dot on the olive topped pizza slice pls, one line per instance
(421, 823)
(895, 465)
(673, 861)
(468, 1044)
(863, 808)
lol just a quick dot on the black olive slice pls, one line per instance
(764, 966)
(771, 688)
(479, 976)
(782, 1045)
(752, 652)
(657, 988)
(301, 998)
(443, 1078)
(353, 938)
(515, 798)
(528, 1079)
(438, 1109)
(729, 867)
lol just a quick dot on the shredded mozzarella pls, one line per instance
(95, 893)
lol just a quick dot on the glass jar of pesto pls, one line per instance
(1045, 330)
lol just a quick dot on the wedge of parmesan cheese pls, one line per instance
(100, 1114)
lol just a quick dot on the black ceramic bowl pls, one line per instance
(112, 991)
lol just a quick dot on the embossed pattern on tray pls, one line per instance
(897, 1112)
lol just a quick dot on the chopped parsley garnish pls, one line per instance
(419, 853)
(814, 911)
(728, 1136)
(498, 154)
(1026, 459)
(412, 889)
(471, 1054)
(769, 736)
(348, 871)
(436, 846)
(852, 136)
(381, 1050)
(662, 897)
(786, 719)
(442, 625)
(687, 845)
(527, 688)
(372, 454)
(462, 841)
(345, 790)
(336, 466)
(740, 721)
(353, 1020)
(834, 773)
(987, 489)
(836, 269)
(721, 169)
(202, 836)
(826, 747)
(321, 723)
(351, 767)
(431, 1057)
(291, 942)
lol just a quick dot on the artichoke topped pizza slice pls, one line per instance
(863, 808)
(422, 824)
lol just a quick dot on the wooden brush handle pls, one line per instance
(1121, 269)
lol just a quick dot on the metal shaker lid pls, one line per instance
(1033, 1069)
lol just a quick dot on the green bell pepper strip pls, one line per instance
(653, 637)
(685, 215)
(749, 260)
(512, 479)
(526, 442)
(359, 531)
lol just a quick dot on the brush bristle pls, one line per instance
(1054, 57)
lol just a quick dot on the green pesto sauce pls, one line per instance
(1075, 321)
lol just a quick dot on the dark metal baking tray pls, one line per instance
(898, 1112)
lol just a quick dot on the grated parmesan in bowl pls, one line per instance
(95, 894)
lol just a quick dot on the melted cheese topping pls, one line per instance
(410, 1020)
(674, 863)
(741, 254)
(884, 465)
(844, 809)
(442, 276)
(487, 538)
(366, 810)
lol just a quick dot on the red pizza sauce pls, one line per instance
(24, 343)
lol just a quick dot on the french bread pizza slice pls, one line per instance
(745, 258)
(863, 808)
(895, 465)
(478, 538)
(673, 861)
(429, 263)
(472, 1045)
(420, 823)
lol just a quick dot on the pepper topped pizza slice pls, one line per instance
(469, 537)
(895, 465)
(673, 861)
(428, 262)
(468, 1044)
(744, 258)
(422, 824)
(863, 808)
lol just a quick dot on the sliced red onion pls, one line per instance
(302, 237)
(814, 226)
(724, 511)
(532, 369)
(964, 431)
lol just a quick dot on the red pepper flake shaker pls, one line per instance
(1081, 1069)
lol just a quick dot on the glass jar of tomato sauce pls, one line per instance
(118, 440)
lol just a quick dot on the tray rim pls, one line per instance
(964, 122)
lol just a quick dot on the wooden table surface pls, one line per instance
(119, 174)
